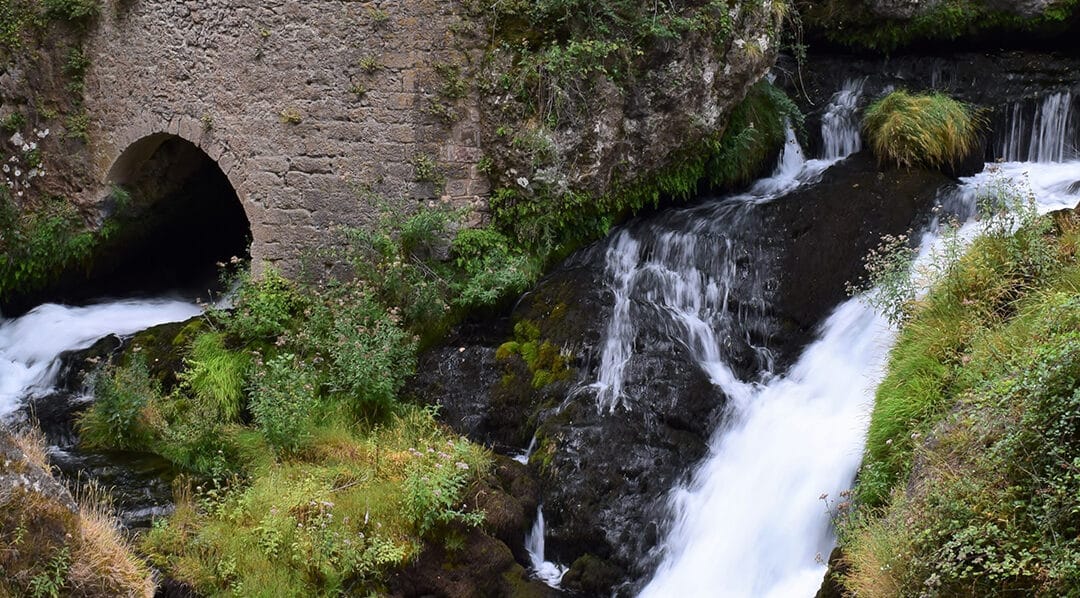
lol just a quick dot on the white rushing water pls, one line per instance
(30, 346)
(1044, 133)
(684, 275)
(754, 520)
(546, 571)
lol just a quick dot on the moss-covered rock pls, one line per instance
(888, 25)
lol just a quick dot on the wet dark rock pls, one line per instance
(831, 586)
(605, 476)
(170, 588)
(482, 568)
(829, 227)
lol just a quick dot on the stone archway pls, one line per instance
(177, 214)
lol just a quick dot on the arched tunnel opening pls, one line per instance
(172, 216)
(176, 217)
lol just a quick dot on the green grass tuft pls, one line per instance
(931, 130)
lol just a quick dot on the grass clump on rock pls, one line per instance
(930, 130)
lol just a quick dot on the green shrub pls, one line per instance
(284, 401)
(264, 309)
(41, 242)
(434, 483)
(930, 130)
(71, 10)
(216, 375)
(367, 354)
(493, 270)
(118, 419)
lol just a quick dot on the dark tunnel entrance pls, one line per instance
(177, 216)
(170, 217)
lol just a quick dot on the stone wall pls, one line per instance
(316, 111)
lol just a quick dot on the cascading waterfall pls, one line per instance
(546, 571)
(685, 268)
(839, 124)
(1044, 132)
(754, 520)
(31, 345)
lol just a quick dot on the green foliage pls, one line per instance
(16, 17)
(853, 23)
(368, 356)
(37, 244)
(117, 420)
(284, 401)
(50, 582)
(78, 126)
(216, 375)
(998, 507)
(426, 170)
(330, 523)
(551, 222)
(561, 48)
(930, 130)
(75, 11)
(13, 122)
(980, 410)
(265, 308)
(492, 268)
(434, 483)
(1010, 256)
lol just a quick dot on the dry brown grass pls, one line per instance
(103, 562)
(31, 441)
(876, 555)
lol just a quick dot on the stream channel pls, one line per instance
(724, 378)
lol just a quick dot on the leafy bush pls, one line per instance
(435, 479)
(72, 10)
(265, 308)
(117, 419)
(39, 244)
(492, 269)
(931, 130)
(284, 401)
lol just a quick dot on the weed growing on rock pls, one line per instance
(931, 130)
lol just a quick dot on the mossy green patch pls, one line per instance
(853, 24)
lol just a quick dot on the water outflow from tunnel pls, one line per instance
(31, 345)
(754, 519)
